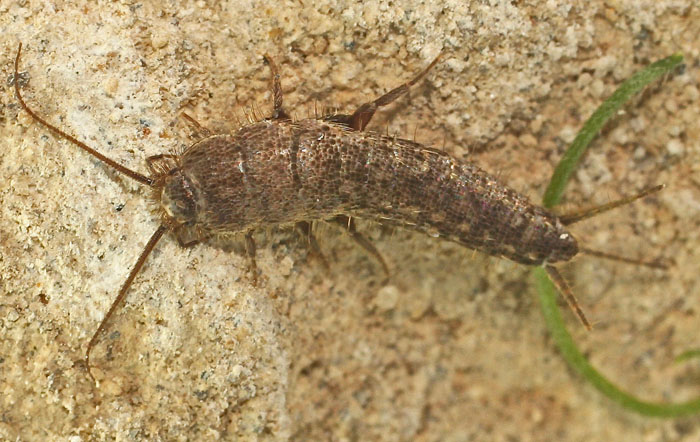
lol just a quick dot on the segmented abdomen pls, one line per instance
(282, 172)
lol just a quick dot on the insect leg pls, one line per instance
(362, 116)
(162, 163)
(358, 121)
(349, 224)
(187, 236)
(278, 112)
(198, 128)
(306, 229)
(250, 251)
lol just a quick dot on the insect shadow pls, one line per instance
(281, 171)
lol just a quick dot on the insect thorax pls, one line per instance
(179, 198)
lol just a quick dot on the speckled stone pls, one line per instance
(200, 354)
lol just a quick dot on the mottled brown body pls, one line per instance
(279, 172)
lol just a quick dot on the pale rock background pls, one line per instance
(454, 347)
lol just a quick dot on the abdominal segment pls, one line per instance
(281, 172)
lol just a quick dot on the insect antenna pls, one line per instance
(157, 235)
(118, 167)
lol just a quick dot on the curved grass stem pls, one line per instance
(547, 293)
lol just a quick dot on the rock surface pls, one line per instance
(454, 348)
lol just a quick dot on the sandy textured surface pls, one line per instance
(454, 347)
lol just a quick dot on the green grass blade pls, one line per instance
(545, 288)
(572, 355)
(687, 355)
(595, 123)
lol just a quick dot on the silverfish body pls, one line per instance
(280, 171)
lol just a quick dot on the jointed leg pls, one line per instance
(278, 112)
(250, 251)
(348, 223)
(187, 236)
(162, 163)
(199, 129)
(362, 116)
(306, 229)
